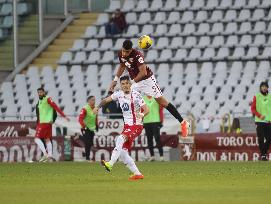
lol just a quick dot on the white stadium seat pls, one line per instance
(211, 4)
(78, 45)
(245, 27)
(156, 5)
(173, 17)
(132, 31)
(160, 17)
(92, 44)
(174, 30)
(79, 58)
(142, 5)
(183, 5)
(114, 4)
(147, 30)
(169, 5)
(102, 19)
(187, 17)
(93, 57)
(161, 30)
(128, 5)
(230, 16)
(131, 18)
(201, 16)
(176, 42)
(91, 31)
(106, 44)
(66, 57)
(165, 55)
(144, 18)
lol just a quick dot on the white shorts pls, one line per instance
(149, 87)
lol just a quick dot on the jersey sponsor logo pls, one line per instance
(141, 60)
(125, 107)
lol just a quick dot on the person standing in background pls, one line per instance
(89, 124)
(152, 124)
(46, 115)
(261, 109)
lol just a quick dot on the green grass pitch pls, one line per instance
(165, 182)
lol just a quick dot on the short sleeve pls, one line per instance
(115, 95)
(139, 59)
(119, 56)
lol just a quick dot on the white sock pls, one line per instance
(129, 162)
(41, 146)
(49, 148)
(117, 150)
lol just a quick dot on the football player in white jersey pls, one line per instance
(133, 109)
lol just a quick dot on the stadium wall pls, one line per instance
(17, 144)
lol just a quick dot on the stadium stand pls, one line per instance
(208, 57)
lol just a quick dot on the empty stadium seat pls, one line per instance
(169, 5)
(160, 17)
(91, 31)
(102, 19)
(183, 5)
(173, 17)
(142, 5)
(92, 44)
(128, 5)
(144, 18)
(114, 4)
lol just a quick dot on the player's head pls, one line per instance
(264, 87)
(41, 92)
(126, 48)
(91, 100)
(125, 84)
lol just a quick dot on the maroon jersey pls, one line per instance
(133, 62)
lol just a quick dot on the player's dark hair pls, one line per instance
(127, 45)
(264, 83)
(124, 78)
(41, 89)
(90, 97)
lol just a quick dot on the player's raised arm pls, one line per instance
(120, 71)
(102, 103)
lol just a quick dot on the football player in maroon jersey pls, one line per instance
(144, 80)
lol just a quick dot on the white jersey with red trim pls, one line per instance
(130, 105)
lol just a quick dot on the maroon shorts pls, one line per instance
(131, 132)
(44, 131)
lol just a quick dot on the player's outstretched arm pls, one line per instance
(102, 103)
(120, 71)
(57, 109)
